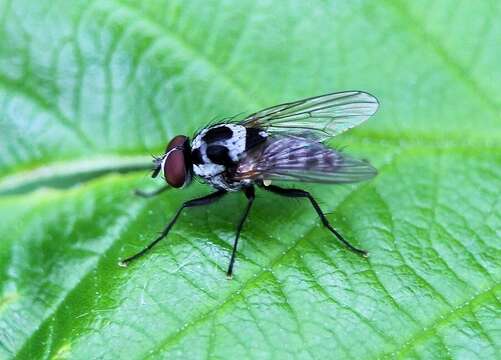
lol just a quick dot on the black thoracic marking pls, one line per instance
(219, 154)
(217, 134)
(253, 138)
(196, 157)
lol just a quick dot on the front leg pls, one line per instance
(297, 193)
(205, 200)
(250, 194)
(148, 194)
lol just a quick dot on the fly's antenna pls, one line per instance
(157, 165)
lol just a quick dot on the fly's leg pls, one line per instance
(148, 194)
(297, 193)
(250, 194)
(205, 200)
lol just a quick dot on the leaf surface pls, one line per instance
(88, 90)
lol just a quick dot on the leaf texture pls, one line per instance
(89, 89)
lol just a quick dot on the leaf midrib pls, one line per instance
(107, 164)
(54, 172)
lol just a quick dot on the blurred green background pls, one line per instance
(89, 89)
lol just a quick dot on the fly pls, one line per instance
(280, 143)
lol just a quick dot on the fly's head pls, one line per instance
(175, 164)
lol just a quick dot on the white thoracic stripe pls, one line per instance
(236, 144)
(197, 141)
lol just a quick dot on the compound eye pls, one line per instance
(175, 171)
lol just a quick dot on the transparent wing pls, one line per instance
(299, 159)
(319, 117)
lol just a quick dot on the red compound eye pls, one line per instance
(175, 170)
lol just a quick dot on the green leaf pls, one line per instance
(88, 90)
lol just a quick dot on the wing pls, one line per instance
(298, 159)
(319, 117)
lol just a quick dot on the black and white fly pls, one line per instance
(280, 143)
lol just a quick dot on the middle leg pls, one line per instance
(250, 194)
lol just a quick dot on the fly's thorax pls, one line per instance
(218, 149)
